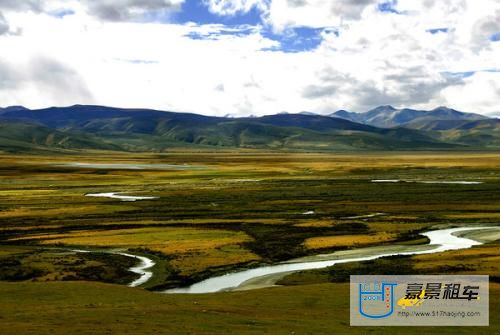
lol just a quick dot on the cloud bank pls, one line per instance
(243, 57)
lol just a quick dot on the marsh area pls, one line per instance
(243, 211)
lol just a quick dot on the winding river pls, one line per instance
(116, 195)
(453, 182)
(143, 268)
(440, 240)
(130, 166)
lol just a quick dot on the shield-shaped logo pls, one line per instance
(376, 300)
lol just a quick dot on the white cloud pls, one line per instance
(377, 58)
(125, 10)
(42, 80)
(4, 25)
(315, 13)
(483, 28)
(233, 7)
(33, 5)
(283, 14)
(480, 94)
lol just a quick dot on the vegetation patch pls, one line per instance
(245, 208)
(344, 241)
(50, 265)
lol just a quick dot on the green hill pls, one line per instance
(107, 128)
(28, 137)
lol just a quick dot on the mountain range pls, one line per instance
(388, 116)
(85, 127)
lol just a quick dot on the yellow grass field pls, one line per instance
(347, 240)
(235, 210)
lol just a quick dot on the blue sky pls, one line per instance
(437, 30)
(291, 40)
(196, 11)
(388, 7)
(61, 12)
(294, 39)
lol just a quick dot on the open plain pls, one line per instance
(231, 210)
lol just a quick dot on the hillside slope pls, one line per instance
(388, 116)
(100, 127)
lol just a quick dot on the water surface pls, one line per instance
(140, 269)
(135, 166)
(116, 195)
(456, 182)
(440, 240)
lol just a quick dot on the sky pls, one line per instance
(251, 57)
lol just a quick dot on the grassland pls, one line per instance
(234, 210)
(94, 308)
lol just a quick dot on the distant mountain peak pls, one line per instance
(101, 127)
(16, 108)
(346, 115)
(385, 107)
(386, 116)
(444, 108)
(342, 111)
(13, 109)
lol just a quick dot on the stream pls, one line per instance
(116, 195)
(140, 269)
(440, 240)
